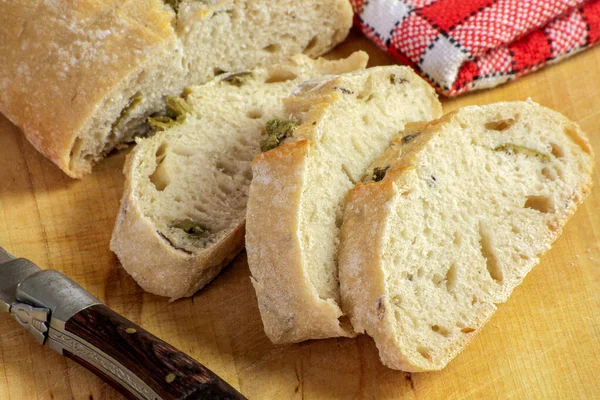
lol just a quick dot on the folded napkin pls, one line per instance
(462, 45)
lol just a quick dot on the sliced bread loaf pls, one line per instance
(297, 194)
(80, 78)
(450, 219)
(184, 205)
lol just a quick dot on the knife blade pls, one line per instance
(57, 311)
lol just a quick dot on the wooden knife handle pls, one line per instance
(139, 364)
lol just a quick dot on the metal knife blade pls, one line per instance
(12, 272)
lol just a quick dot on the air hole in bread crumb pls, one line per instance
(160, 178)
(424, 351)
(557, 151)
(161, 152)
(437, 279)
(552, 225)
(366, 119)
(500, 125)
(224, 188)
(227, 168)
(254, 114)
(451, 277)
(420, 273)
(467, 330)
(487, 251)
(367, 98)
(182, 151)
(515, 229)
(457, 239)
(310, 45)
(272, 48)
(559, 171)
(441, 330)
(542, 204)
(474, 300)
(547, 173)
(366, 93)
(277, 76)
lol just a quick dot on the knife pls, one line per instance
(56, 310)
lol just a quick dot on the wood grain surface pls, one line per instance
(544, 343)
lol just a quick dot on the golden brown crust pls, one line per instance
(59, 64)
(277, 186)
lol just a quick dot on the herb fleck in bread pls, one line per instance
(298, 190)
(80, 78)
(184, 205)
(458, 214)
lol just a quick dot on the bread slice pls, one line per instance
(184, 205)
(450, 220)
(298, 191)
(81, 79)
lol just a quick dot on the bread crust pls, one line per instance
(69, 68)
(274, 240)
(156, 265)
(146, 254)
(365, 228)
(362, 279)
(296, 312)
(58, 66)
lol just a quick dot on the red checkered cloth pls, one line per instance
(462, 45)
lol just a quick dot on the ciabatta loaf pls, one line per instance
(450, 219)
(80, 78)
(336, 128)
(184, 205)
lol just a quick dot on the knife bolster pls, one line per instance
(52, 290)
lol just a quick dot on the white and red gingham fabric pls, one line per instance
(462, 45)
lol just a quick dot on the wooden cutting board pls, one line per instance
(544, 343)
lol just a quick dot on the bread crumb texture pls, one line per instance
(187, 185)
(81, 78)
(297, 196)
(467, 205)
